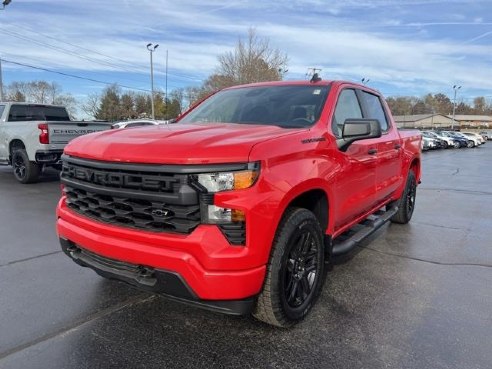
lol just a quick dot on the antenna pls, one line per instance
(311, 72)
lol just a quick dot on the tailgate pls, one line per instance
(64, 132)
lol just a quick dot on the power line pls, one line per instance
(70, 52)
(73, 75)
(74, 45)
(73, 53)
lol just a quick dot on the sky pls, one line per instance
(404, 47)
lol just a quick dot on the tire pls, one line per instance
(406, 204)
(25, 171)
(295, 272)
(470, 144)
(456, 145)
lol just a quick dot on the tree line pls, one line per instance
(436, 104)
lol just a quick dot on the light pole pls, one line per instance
(455, 88)
(151, 47)
(5, 3)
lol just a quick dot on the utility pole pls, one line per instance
(151, 49)
(455, 88)
(4, 4)
(1, 81)
(167, 59)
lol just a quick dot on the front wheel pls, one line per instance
(470, 144)
(406, 203)
(25, 171)
(294, 276)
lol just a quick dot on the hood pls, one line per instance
(175, 143)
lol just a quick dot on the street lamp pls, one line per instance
(151, 47)
(5, 3)
(455, 88)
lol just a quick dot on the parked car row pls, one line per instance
(451, 139)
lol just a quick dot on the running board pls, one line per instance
(362, 230)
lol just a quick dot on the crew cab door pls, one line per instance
(356, 182)
(389, 149)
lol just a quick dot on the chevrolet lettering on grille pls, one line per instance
(116, 179)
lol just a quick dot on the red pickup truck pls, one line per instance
(239, 205)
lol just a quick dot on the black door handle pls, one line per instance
(372, 151)
(397, 147)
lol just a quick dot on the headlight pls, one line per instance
(226, 181)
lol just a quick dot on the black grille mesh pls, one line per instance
(136, 213)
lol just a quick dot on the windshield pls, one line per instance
(284, 106)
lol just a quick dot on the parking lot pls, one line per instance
(415, 296)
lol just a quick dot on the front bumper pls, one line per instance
(166, 283)
(204, 260)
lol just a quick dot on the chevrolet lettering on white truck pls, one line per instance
(32, 136)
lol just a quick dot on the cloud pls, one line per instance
(401, 44)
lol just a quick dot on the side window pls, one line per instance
(375, 109)
(18, 113)
(2, 108)
(347, 107)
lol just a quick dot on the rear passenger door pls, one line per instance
(388, 168)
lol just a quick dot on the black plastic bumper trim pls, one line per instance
(166, 283)
(42, 154)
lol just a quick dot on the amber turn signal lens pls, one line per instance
(244, 179)
(238, 216)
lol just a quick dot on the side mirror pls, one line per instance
(359, 129)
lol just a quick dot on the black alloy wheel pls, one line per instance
(295, 272)
(300, 272)
(406, 203)
(19, 167)
(25, 171)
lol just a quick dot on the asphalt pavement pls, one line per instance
(413, 296)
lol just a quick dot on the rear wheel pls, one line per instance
(25, 171)
(406, 203)
(295, 272)
(470, 144)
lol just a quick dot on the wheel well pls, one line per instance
(415, 166)
(16, 144)
(315, 201)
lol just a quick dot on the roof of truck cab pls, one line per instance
(306, 83)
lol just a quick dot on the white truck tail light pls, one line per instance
(44, 136)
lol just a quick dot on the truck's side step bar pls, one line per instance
(347, 241)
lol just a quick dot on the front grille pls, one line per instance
(136, 197)
(135, 213)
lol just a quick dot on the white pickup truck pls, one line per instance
(33, 136)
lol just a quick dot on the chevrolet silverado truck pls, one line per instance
(239, 206)
(32, 136)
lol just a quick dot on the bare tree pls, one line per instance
(252, 60)
(91, 105)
